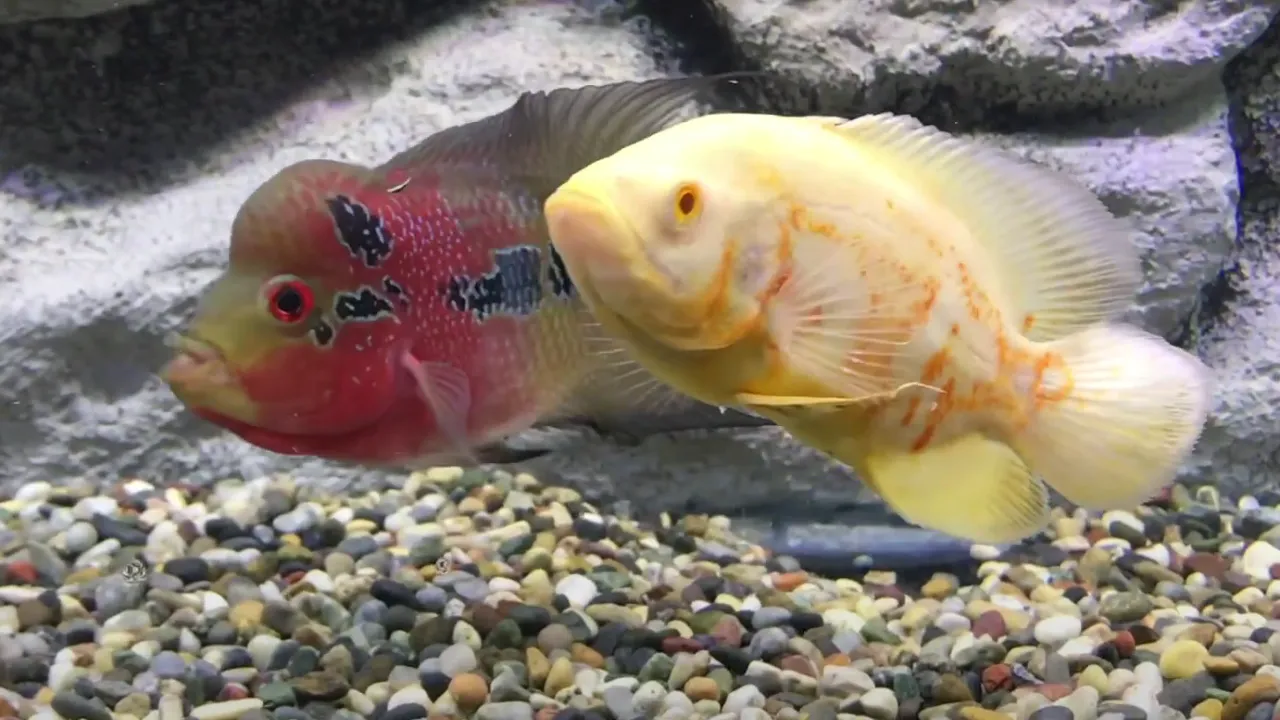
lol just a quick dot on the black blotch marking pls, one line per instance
(513, 287)
(322, 334)
(360, 230)
(558, 274)
(364, 305)
(392, 288)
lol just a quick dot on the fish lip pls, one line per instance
(196, 363)
(598, 266)
(195, 348)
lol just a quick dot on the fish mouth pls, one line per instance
(195, 360)
(590, 235)
(605, 255)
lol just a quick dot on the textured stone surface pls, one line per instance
(127, 141)
(1241, 333)
(14, 11)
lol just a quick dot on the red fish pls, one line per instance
(417, 310)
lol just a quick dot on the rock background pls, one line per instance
(129, 138)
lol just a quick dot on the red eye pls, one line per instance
(289, 300)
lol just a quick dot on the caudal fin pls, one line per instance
(1133, 407)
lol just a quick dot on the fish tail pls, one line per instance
(1114, 412)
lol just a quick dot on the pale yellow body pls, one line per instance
(936, 314)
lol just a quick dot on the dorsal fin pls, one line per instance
(1062, 257)
(547, 136)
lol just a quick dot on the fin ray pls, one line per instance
(844, 319)
(1064, 260)
(447, 391)
(547, 136)
(1133, 409)
(972, 487)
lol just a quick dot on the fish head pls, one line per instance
(281, 349)
(675, 242)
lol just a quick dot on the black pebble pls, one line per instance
(289, 567)
(27, 670)
(79, 632)
(806, 621)
(394, 593)
(735, 659)
(592, 530)
(399, 617)
(117, 530)
(188, 569)
(223, 529)
(1075, 593)
(435, 683)
(405, 711)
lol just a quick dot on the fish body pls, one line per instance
(416, 310)
(933, 312)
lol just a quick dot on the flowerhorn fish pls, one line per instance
(416, 310)
(935, 313)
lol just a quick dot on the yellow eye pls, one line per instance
(688, 202)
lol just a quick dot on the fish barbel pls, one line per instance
(935, 313)
(416, 311)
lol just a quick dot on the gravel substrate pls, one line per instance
(479, 594)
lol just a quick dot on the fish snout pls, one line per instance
(195, 365)
(590, 236)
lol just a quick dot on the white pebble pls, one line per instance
(502, 584)
(1082, 646)
(414, 534)
(226, 710)
(1123, 517)
(1114, 545)
(1258, 559)
(214, 606)
(409, 694)
(879, 703)
(1056, 630)
(950, 622)
(320, 580)
(99, 505)
(842, 620)
(1158, 553)
(578, 589)
(984, 552)
(34, 492)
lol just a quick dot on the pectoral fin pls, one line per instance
(834, 403)
(447, 391)
(973, 488)
(792, 401)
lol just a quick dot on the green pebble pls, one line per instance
(516, 545)
(723, 679)
(876, 630)
(905, 687)
(609, 579)
(277, 694)
(658, 668)
(294, 552)
(704, 622)
(506, 634)
(427, 550)
(514, 667)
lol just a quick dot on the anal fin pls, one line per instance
(973, 487)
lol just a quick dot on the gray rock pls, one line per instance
(160, 170)
(1240, 333)
(15, 11)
